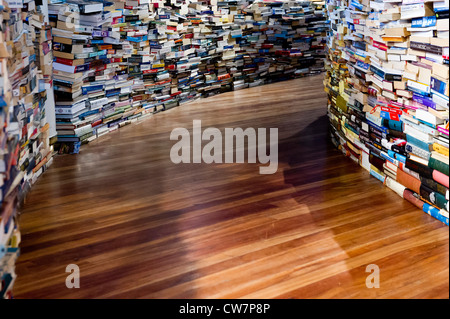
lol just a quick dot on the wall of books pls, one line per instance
(117, 62)
(388, 86)
(25, 67)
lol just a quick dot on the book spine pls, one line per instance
(439, 166)
(423, 170)
(377, 175)
(434, 212)
(424, 100)
(423, 22)
(441, 149)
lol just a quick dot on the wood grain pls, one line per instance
(139, 226)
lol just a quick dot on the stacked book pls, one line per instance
(121, 61)
(25, 152)
(80, 57)
(388, 87)
(292, 38)
(43, 46)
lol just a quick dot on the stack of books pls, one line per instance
(43, 46)
(80, 69)
(121, 61)
(25, 151)
(388, 86)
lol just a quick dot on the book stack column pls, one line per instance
(289, 37)
(44, 61)
(80, 60)
(388, 87)
(25, 150)
(147, 75)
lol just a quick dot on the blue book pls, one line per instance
(378, 176)
(417, 91)
(385, 115)
(362, 65)
(434, 212)
(356, 5)
(438, 86)
(441, 9)
(389, 158)
(423, 22)
(395, 125)
(397, 156)
(86, 89)
(379, 128)
(418, 143)
(377, 71)
(428, 102)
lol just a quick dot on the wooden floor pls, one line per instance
(139, 226)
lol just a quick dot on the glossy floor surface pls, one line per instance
(140, 226)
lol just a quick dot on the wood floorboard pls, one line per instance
(139, 226)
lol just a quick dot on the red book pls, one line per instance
(98, 122)
(64, 61)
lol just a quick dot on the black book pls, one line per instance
(442, 15)
(67, 48)
(423, 170)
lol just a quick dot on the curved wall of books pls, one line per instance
(25, 149)
(388, 87)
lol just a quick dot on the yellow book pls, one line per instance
(440, 149)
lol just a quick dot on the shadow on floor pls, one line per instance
(340, 196)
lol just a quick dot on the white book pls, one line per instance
(380, 6)
(427, 138)
(443, 34)
(388, 86)
(440, 157)
(70, 110)
(64, 67)
(422, 29)
(2, 235)
(417, 10)
(440, 100)
(418, 159)
(87, 6)
(409, 75)
(428, 117)
(435, 57)
(412, 1)
(419, 86)
(95, 104)
(377, 81)
(442, 25)
(410, 58)
(394, 57)
(396, 50)
(83, 130)
(425, 34)
(441, 4)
